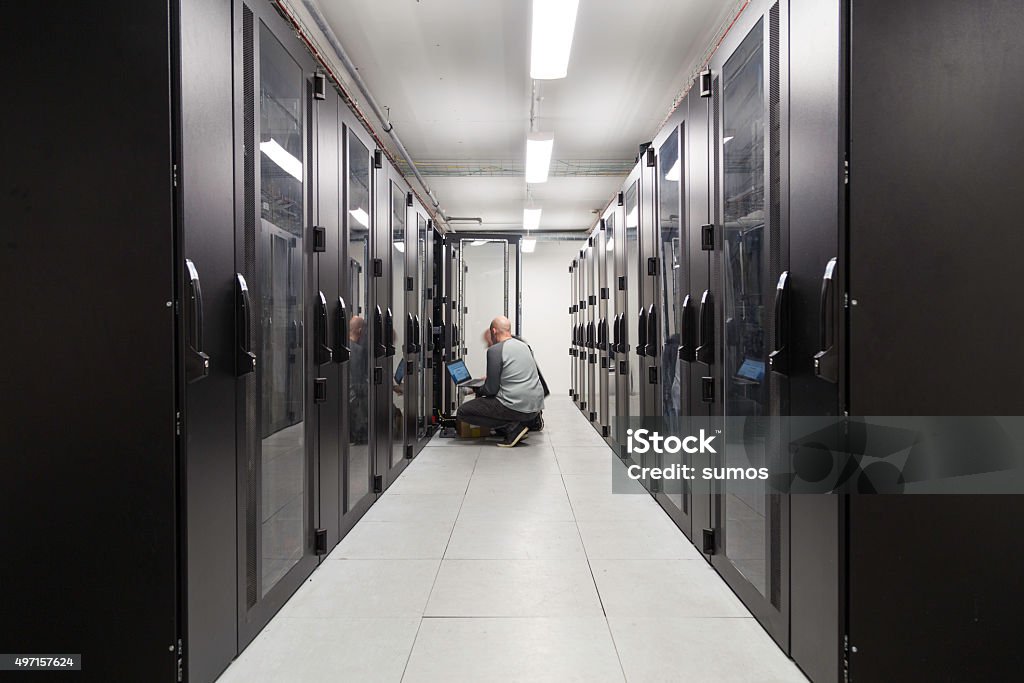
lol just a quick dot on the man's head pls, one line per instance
(356, 327)
(500, 330)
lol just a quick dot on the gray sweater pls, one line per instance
(513, 378)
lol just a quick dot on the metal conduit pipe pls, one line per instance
(350, 67)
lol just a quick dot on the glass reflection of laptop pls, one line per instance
(751, 370)
(460, 375)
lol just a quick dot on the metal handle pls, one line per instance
(778, 359)
(197, 363)
(322, 350)
(706, 329)
(652, 332)
(380, 349)
(591, 340)
(245, 359)
(389, 332)
(417, 337)
(342, 353)
(641, 333)
(623, 345)
(826, 361)
(602, 334)
(688, 336)
(410, 334)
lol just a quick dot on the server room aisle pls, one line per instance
(487, 564)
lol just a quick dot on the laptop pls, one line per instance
(460, 375)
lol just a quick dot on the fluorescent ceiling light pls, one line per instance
(538, 156)
(361, 217)
(610, 245)
(631, 219)
(400, 246)
(531, 219)
(673, 173)
(529, 244)
(553, 24)
(280, 156)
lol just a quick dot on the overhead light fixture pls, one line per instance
(283, 158)
(361, 217)
(673, 173)
(554, 22)
(631, 219)
(610, 245)
(538, 156)
(531, 219)
(400, 246)
(529, 244)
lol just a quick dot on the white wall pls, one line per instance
(546, 309)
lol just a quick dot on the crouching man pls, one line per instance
(512, 397)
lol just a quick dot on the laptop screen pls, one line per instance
(400, 373)
(459, 372)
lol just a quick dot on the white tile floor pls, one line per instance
(487, 564)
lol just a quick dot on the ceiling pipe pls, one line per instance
(353, 73)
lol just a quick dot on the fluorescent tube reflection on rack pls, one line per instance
(280, 156)
(361, 217)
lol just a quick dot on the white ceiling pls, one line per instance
(455, 75)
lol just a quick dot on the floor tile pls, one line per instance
(650, 588)
(540, 649)
(512, 460)
(365, 588)
(413, 507)
(517, 505)
(719, 650)
(514, 588)
(313, 650)
(514, 540)
(655, 539)
(395, 541)
(436, 480)
(624, 506)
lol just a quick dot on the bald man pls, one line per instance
(512, 397)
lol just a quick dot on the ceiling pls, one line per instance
(454, 75)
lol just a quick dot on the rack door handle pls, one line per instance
(342, 352)
(652, 332)
(778, 359)
(417, 337)
(602, 334)
(197, 362)
(380, 349)
(688, 337)
(245, 359)
(706, 329)
(826, 361)
(322, 351)
(623, 346)
(641, 333)
(389, 332)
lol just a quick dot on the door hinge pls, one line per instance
(408, 452)
(320, 390)
(605, 431)
(408, 199)
(378, 376)
(651, 158)
(622, 283)
(378, 484)
(707, 237)
(707, 389)
(623, 367)
(319, 86)
(593, 416)
(177, 423)
(621, 199)
(708, 542)
(590, 241)
(592, 300)
(410, 284)
(319, 238)
(846, 172)
(410, 367)
(320, 542)
(652, 375)
(174, 175)
(605, 293)
(181, 661)
(652, 265)
(378, 158)
(378, 267)
(430, 292)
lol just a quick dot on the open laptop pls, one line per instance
(460, 375)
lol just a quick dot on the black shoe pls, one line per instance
(537, 425)
(516, 433)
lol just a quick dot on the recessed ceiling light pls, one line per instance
(554, 22)
(538, 156)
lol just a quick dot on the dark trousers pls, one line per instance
(488, 411)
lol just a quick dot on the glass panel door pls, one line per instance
(359, 468)
(750, 537)
(633, 286)
(397, 341)
(281, 368)
(611, 281)
(424, 313)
